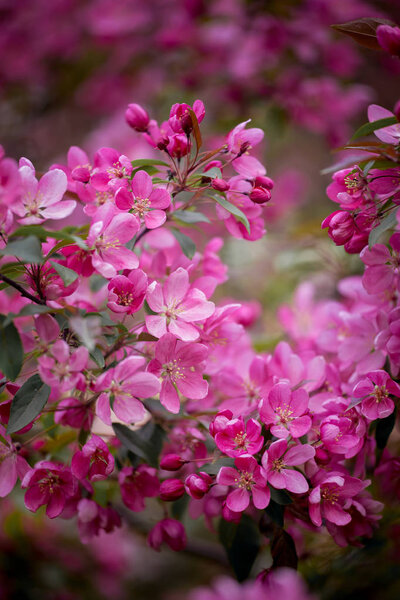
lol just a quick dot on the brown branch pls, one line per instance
(22, 290)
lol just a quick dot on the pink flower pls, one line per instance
(143, 200)
(241, 140)
(178, 364)
(276, 460)
(382, 266)
(73, 413)
(389, 39)
(170, 532)
(285, 411)
(198, 484)
(61, 370)
(179, 306)
(93, 519)
(237, 438)
(126, 294)
(112, 170)
(180, 120)
(94, 460)
(48, 483)
(41, 200)
(138, 484)
(249, 480)
(330, 498)
(347, 188)
(171, 489)
(12, 465)
(390, 134)
(107, 238)
(125, 384)
(375, 391)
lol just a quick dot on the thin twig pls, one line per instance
(22, 290)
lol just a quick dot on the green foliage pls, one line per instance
(27, 403)
(11, 351)
(234, 210)
(242, 544)
(187, 245)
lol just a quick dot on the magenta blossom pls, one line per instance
(237, 438)
(121, 387)
(137, 117)
(250, 480)
(330, 499)
(93, 519)
(107, 238)
(178, 364)
(375, 390)
(126, 294)
(389, 39)
(48, 483)
(241, 140)
(94, 460)
(382, 266)
(276, 460)
(170, 532)
(178, 306)
(143, 200)
(286, 411)
(41, 200)
(138, 484)
(180, 120)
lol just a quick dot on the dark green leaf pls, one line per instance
(97, 355)
(234, 210)
(283, 550)
(28, 249)
(276, 512)
(384, 428)
(148, 162)
(136, 441)
(280, 496)
(242, 544)
(179, 507)
(368, 128)
(389, 222)
(190, 217)
(27, 403)
(67, 275)
(38, 231)
(27, 311)
(11, 350)
(187, 245)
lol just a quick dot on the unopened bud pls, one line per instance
(137, 117)
(220, 184)
(171, 489)
(171, 462)
(198, 484)
(260, 195)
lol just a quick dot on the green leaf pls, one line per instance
(242, 544)
(140, 442)
(28, 249)
(11, 351)
(280, 496)
(39, 232)
(97, 355)
(384, 428)
(389, 222)
(190, 217)
(211, 173)
(27, 403)
(148, 162)
(368, 128)
(27, 311)
(67, 275)
(179, 507)
(283, 550)
(187, 245)
(234, 210)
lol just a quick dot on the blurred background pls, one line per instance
(68, 70)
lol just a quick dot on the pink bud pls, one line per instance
(220, 420)
(198, 484)
(263, 181)
(171, 489)
(137, 117)
(220, 185)
(260, 195)
(389, 39)
(172, 462)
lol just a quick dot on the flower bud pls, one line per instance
(263, 181)
(171, 489)
(219, 422)
(171, 462)
(178, 145)
(220, 185)
(198, 484)
(137, 117)
(260, 195)
(389, 39)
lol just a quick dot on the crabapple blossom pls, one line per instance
(278, 457)
(330, 498)
(48, 483)
(126, 293)
(250, 481)
(138, 484)
(375, 390)
(237, 438)
(170, 532)
(93, 461)
(285, 410)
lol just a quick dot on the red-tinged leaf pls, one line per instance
(363, 31)
(196, 129)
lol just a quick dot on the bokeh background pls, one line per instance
(68, 69)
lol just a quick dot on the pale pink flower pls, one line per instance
(382, 266)
(178, 305)
(12, 465)
(391, 134)
(375, 390)
(145, 201)
(62, 370)
(286, 411)
(278, 458)
(249, 479)
(179, 365)
(125, 384)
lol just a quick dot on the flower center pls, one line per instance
(245, 480)
(172, 370)
(380, 393)
(329, 495)
(141, 206)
